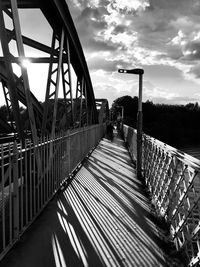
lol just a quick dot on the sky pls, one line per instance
(162, 37)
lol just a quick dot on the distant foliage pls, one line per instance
(173, 124)
(4, 112)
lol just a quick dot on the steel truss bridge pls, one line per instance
(44, 142)
(63, 53)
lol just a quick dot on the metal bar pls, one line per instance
(69, 78)
(44, 121)
(20, 48)
(10, 199)
(48, 171)
(60, 159)
(26, 180)
(38, 60)
(34, 178)
(3, 198)
(54, 166)
(11, 81)
(77, 87)
(86, 103)
(57, 161)
(21, 189)
(57, 85)
(45, 171)
(81, 103)
(16, 190)
(64, 87)
(68, 152)
(24, 3)
(139, 130)
(30, 183)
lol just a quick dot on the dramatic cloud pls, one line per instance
(142, 33)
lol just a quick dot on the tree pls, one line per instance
(4, 113)
(172, 124)
(130, 105)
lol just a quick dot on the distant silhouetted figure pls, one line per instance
(109, 130)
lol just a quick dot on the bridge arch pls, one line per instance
(64, 57)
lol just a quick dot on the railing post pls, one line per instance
(79, 144)
(15, 191)
(68, 152)
(139, 131)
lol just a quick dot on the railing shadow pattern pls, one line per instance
(102, 217)
(27, 185)
(114, 213)
(173, 179)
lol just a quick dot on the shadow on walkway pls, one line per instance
(103, 218)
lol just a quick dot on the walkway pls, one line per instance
(103, 218)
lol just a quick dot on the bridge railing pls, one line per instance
(31, 176)
(173, 179)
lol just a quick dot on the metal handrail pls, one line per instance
(26, 188)
(173, 180)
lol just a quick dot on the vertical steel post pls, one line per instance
(49, 81)
(86, 105)
(57, 85)
(139, 72)
(16, 191)
(81, 102)
(68, 152)
(139, 130)
(3, 237)
(70, 79)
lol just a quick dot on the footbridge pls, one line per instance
(69, 196)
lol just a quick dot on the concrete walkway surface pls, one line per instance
(102, 218)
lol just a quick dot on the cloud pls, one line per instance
(119, 29)
(175, 100)
(100, 63)
(129, 6)
(103, 90)
(141, 33)
(98, 45)
(195, 70)
(156, 23)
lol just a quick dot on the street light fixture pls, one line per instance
(139, 72)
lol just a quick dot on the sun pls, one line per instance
(26, 63)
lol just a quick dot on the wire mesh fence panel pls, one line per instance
(173, 179)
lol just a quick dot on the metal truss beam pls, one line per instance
(66, 53)
(67, 82)
(11, 80)
(23, 3)
(20, 48)
(33, 60)
(58, 11)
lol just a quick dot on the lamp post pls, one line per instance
(139, 72)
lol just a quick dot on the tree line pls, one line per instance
(175, 125)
